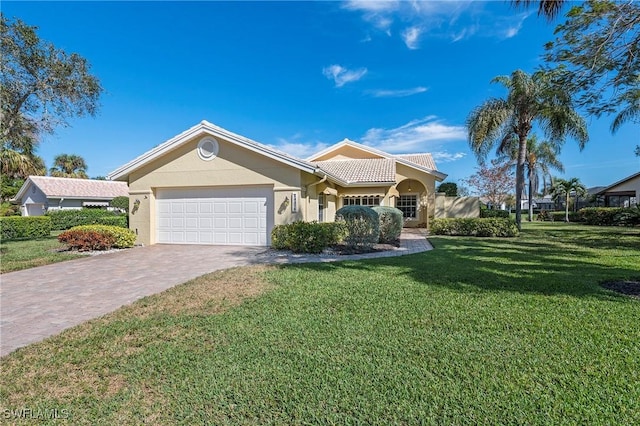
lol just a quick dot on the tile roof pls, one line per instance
(80, 188)
(361, 170)
(422, 160)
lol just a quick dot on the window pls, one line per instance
(320, 207)
(361, 201)
(408, 205)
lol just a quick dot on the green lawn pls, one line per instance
(16, 255)
(478, 331)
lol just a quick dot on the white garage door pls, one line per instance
(213, 216)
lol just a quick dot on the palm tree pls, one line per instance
(69, 165)
(531, 99)
(541, 157)
(630, 112)
(547, 8)
(565, 188)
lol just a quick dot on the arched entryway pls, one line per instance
(410, 200)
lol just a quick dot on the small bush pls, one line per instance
(86, 240)
(362, 226)
(121, 203)
(24, 227)
(391, 221)
(544, 216)
(484, 213)
(98, 237)
(67, 219)
(476, 227)
(306, 237)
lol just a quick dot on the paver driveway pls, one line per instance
(39, 302)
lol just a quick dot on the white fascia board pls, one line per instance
(23, 189)
(205, 127)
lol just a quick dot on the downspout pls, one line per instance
(306, 188)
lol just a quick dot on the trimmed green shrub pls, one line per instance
(362, 226)
(120, 221)
(19, 227)
(391, 221)
(122, 238)
(66, 219)
(306, 237)
(544, 216)
(494, 213)
(610, 216)
(559, 216)
(475, 227)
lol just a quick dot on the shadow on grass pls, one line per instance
(556, 263)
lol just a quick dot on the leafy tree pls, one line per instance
(9, 187)
(493, 182)
(637, 151)
(596, 55)
(71, 166)
(531, 99)
(41, 88)
(121, 203)
(541, 157)
(449, 188)
(564, 189)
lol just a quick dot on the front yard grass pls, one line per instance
(478, 331)
(23, 254)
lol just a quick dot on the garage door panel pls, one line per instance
(213, 216)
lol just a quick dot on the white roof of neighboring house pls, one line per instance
(57, 187)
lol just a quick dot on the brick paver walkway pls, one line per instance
(40, 302)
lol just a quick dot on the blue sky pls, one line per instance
(400, 76)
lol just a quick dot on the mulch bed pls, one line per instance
(629, 288)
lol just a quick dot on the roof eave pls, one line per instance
(205, 127)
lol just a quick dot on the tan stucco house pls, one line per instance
(208, 185)
(40, 194)
(624, 193)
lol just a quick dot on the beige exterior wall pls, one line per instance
(407, 176)
(346, 152)
(456, 207)
(234, 166)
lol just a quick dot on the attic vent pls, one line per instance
(208, 148)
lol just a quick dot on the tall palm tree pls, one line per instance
(565, 188)
(631, 112)
(541, 157)
(531, 99)
(69, 165)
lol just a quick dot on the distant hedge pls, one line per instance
(18, 227)
(484, 213)
(599, 216)
(475, 227)
(66, 219)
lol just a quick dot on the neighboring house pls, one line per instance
(40, 194)
(211, 186)
(624, 193)
(539, 203)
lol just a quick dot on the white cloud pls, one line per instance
(447, 157)
(299, 149)
(382, 93)
(411, 37)
(341, 75)
(454, 20)
(414, 136)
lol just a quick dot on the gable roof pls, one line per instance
(423, 161)
(57, 187)
(621, 181)
(206, 128)
(370, 170)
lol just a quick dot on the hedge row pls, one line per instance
(475, 227)
(97, 237)
(306, 237)
(18, 227)
(494, 213)
(66, 219)
(600, 216)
